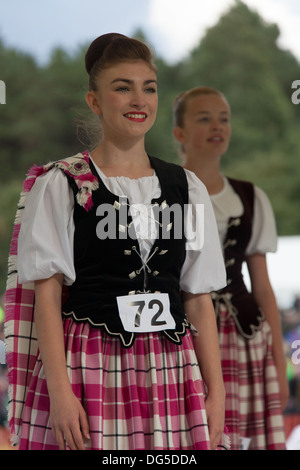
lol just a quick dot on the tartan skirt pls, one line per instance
(149, 396)
(253, 407)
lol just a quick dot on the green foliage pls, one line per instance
(239, 56)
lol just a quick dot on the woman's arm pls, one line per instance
(68, 419)
(265, 298)
(201, 314)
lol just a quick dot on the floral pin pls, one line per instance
(78, 168)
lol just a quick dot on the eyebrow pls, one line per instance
(208, 112)
(130, 82)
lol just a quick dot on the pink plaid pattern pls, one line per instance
(20, 332)
(149, 396)
(253, 407)
(21, 339)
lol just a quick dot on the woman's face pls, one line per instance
(126, 100)
(206, 130)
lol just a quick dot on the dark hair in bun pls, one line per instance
(114, 47)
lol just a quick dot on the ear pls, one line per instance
(93, 103)
(178, 133)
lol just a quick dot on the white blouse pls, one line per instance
(228, 204)
(45, 245)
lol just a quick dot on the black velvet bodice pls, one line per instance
(108, 260)
(238, 301)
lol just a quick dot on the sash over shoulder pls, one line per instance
(20, 334)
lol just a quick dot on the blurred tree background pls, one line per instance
(239, 56)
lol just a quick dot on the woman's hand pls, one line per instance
(67, 416)
(215, 411)
(265, 298)
(201, 314)
(69, 421)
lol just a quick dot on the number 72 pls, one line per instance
(152, 303)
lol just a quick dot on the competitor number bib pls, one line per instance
(145, 313)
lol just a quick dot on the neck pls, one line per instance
(122, 160)
(207, 170)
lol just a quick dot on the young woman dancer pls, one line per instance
(116, 366)
(250, 339)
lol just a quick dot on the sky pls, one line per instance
(173, 27)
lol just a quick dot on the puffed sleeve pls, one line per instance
(203, 270)
(264, 232)
(45, 244)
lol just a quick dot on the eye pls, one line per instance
(122, 88)
(150, 90)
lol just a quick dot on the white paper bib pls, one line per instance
(145, 313)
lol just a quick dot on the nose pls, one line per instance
(138, 99)
(216, 124)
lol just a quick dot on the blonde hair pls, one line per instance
(180, 102)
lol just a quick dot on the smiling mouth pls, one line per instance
(216, 138)
(137, 117)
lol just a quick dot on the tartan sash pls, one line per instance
(20, 333)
